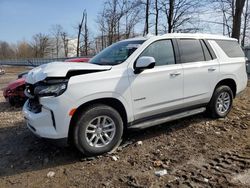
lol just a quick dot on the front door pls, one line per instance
(158, 90)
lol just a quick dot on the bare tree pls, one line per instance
(6, 52)
(24, 50)
(239, 5)
(246, 23)
(85, 34)
(232, 12)
(111, 14)
(170, 15)
(133, 17)
(41, 45)
(102, 29)
(179, 13)
(117, 21)
(56, 32)
(227, 8)
(65, 42)
(146, 27)
(156, 17)
(79, 34)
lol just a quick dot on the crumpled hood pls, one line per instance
(60, 69)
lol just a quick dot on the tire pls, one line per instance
(98, 130)
(221, 102)
(12, 101)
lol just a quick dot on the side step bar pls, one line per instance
(159, 121)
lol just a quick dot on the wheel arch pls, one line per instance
(228, 82)
(113, 102)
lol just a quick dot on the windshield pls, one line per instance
(116, 53)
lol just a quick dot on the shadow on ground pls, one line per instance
(6, 107)
(22, 152)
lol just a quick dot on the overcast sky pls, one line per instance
(21, 19)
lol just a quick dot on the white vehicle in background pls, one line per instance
(135, 83)
(2, 71)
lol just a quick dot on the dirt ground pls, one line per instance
(195, 152)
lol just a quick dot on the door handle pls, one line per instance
(211, 69)
(175, 73)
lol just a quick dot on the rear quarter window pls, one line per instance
(231, 48)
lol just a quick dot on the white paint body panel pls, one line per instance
(59, 69)
(199, 81)
(151, 92)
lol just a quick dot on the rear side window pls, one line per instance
(162, 51)
(191, 50)
(231, 48)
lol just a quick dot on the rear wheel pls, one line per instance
(99, 130)
(221, 102)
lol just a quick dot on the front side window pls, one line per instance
(191, 50)
(116, 53)
(162, 51)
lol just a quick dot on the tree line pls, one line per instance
(122, 19)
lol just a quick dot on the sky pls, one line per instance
(21, 19)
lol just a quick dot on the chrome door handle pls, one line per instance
(175, 73)
(211, 69)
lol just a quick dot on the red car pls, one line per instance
(79, 60)
(14, 92)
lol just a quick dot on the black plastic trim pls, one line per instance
(169, 113)
(53, 118)
(80, 72)
(176, 51)
(203, 45)
(210, 49)
(139, 70)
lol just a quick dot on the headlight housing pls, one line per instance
(50, 88)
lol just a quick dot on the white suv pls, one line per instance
(135, 83)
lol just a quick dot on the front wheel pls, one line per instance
(221, 102)
(12, 101)
(99, 130)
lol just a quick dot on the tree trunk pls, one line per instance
(79, 34)
(170, 16)
(239, 5)
(245, 25)
(86, 37)
(156, 17)
(146, 18)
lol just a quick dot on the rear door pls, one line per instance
(200, 68)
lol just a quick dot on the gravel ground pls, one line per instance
(192, 152)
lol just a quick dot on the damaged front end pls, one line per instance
(48, 87)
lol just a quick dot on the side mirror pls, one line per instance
(144, 62)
